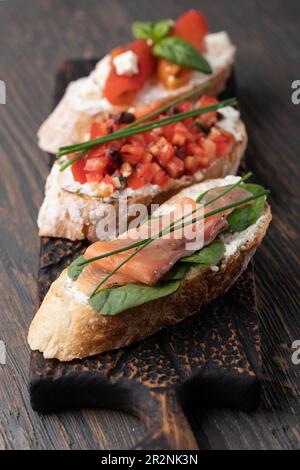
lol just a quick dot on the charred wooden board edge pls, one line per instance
(92, 382)
(79, 390)
(80, 387)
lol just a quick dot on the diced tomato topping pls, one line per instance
(136, 182)
(78, 170)
(96, 164)
(94, 177)
(148, 171)
(96, 152)
(161, 178)
(162, 150)
(97, 130)
(171, 75)
(223, 143)
(175, 167)
(190, 165)
(145, 109)
(192, 26)
(209, 149)
(208, 119)
(120, 90)
(154, 157)
(147, 157)
(133, 153)
(222, 149)
(192, 148)
(106, 191)
(108, 180)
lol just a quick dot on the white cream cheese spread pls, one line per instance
(126, 64)
(86, 94)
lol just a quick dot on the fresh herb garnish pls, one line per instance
(202, 127)
(75, 268)
(123, 180)
(227, 190)
(141, 244)
(180, 52)
(173, 227)
(129, 131)
(119, 299)
(243, 217)
(208, 256)
(171, 48)
(116, 300)
(153, 31)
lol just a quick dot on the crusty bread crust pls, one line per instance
(67, 328)
(66, 126)
(67, 215)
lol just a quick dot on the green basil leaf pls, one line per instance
(209, 255)
(161, 29)
(142, 30)
(177, 273)
(199, 198)
(180, 52)
(242, 218)
(74, 270)
(119, 299)
(153, 31)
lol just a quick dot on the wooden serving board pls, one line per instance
(210, 359)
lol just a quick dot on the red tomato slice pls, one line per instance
(223, 145)
(145, 109)
(96, 164)
(210, 118)
(175, 167)
(94, 177)
(148, 171)
(192, 26)
(96, 152)
(108, 180)
(136, 182)
(161, 178)
(120, 89)
(78, 170)
(209, 148)
(97, 130)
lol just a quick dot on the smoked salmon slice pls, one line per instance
(155, 260)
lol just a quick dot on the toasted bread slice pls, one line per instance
(66, 214)
(68, 124)
(66, 326)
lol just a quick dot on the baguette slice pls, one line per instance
(66, 214)
(66, 326)
(69, 123)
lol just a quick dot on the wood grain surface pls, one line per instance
(35, 37)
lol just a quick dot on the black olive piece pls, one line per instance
(174, 110)
(115, 155)
(124, 118)
(180, 153)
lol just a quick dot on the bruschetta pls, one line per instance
(146, 168)
(166, 60)
(121, 291)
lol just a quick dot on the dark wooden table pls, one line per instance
(36, 36)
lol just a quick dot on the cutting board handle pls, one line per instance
(168, 426)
